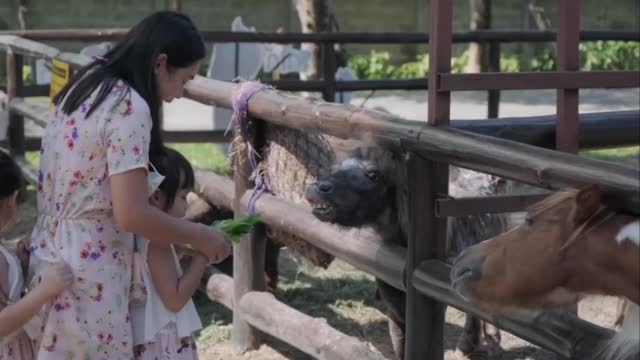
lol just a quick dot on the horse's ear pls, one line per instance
(587, 202)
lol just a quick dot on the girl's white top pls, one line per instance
(16, 281)
(149, 318)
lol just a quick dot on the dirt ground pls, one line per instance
(343, 295)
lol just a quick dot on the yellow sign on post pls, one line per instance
(60, 74)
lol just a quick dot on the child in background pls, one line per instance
(16, 311)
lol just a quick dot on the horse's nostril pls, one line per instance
(468, 267)
(325, 186)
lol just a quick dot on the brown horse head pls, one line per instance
(569, 245)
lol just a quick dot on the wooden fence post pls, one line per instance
(15, 86)
(427, 181)
(493, 96)
(424, 316)
(568, 59)
(329, 72)
(248, 255)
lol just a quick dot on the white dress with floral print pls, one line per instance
(75, 222)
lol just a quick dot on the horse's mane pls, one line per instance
(551, 201)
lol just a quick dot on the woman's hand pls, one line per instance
(214, 244)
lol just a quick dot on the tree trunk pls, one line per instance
(480, 19)
(315, 16)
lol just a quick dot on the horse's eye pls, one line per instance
(529, 221)
(372, 175)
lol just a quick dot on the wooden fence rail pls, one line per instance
(521, 162)
(86, 35)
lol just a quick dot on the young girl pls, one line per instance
(163, 323)
(15, 311)
(92, 190)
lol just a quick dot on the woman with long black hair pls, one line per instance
(92, 190)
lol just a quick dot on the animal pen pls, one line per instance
(503, 147)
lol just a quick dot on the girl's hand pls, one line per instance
(182, 251)
(22, 252)
(215, 244)
(56, 278)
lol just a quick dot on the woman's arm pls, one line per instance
(134, 214)
(174, 290)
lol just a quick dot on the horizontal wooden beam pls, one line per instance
(114, 34)
(314, 336)
(37, 112)
(485, 205)
(539, 80)
(562, 333)
(262, 310)
(29, 172)
(362, 249)
(196, 136)
(351, 85)
(35, 49)
(525, 163)
(597, 130)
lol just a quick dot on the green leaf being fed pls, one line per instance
(236, 229)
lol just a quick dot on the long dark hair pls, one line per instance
(133, 61)
(10, 176)
(177, 171)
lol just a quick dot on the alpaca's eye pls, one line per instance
(373, 175)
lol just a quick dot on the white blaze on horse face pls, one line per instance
(630, 232)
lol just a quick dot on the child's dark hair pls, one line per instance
(10, 176)
(133, 60)
(177, 171)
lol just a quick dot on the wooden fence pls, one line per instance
(418, 270)
(328, 85)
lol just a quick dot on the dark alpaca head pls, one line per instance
(358, 190)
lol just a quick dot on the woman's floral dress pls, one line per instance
(75, 222)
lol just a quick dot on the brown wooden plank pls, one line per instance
(313, 336)
(568, 59)
(562, 333)
(486, 205)
(539, 80)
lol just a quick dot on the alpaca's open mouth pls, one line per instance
(323, 211)
(320, 208)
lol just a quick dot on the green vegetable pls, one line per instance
(236, 229)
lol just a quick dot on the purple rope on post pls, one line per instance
(240, 103)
